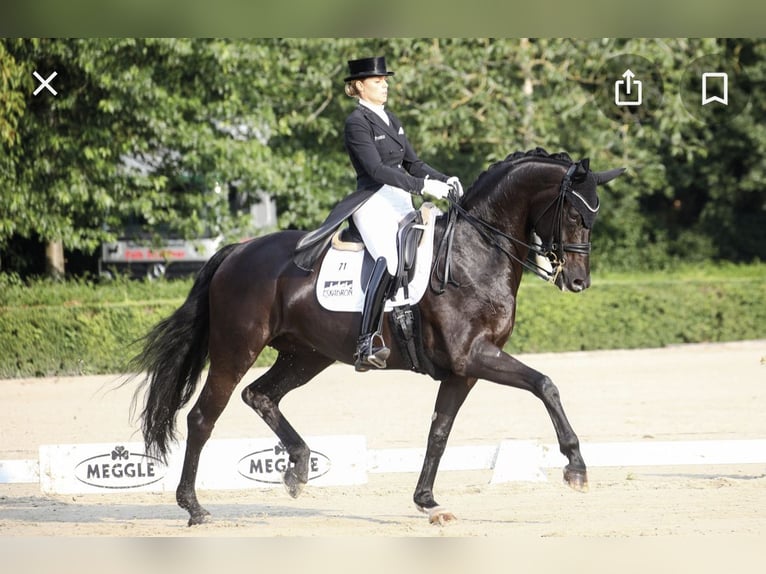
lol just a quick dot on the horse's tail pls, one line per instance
(174, 354)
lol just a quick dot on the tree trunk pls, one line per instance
(54, 259)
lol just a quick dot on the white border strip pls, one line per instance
(19, 471)
(511, 460)
(411, 459)
(523, 460)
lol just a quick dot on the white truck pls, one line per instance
(136, 255)
(173, 258)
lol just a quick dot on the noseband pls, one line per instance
(554, 250)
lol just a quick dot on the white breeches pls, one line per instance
(378, 222)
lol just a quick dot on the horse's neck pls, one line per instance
(506, 209)
(514, 203)
(474, 256)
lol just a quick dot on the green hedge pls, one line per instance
(79, 328)
(74, 339)
(625, 315)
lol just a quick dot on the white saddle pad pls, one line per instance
(339, 285)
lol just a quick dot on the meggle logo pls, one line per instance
(268, 465)
(120, 469)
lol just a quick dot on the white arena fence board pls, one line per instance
(12, 471)
(224, 464)
(681, 453)
(341, 460)
(524, 460)
(411, 459)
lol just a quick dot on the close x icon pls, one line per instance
(45, 83)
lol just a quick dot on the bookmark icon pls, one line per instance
(717, 82)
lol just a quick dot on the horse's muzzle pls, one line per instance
(573, 281)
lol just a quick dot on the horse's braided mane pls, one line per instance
(538, 153)
(490, 176)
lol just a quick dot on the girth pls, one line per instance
(407, 331)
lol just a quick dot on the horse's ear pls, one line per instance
(603, 177)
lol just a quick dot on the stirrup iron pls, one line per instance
(368, 356)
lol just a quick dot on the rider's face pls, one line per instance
(374, 90)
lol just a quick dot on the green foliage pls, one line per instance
(133, 121)
(53, 328)
(16, 292)
(137, 119)
(11, 100)
(77, 327)
(75, 339)
(641, 313)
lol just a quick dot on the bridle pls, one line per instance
(554, 250)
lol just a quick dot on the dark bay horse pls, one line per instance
(252, 294)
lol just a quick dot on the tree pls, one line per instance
(148, 127)
(132, 119)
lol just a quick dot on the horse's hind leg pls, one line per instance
(200, 422)
(452, 394)
(290, 370)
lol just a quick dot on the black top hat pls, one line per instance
(367, 68)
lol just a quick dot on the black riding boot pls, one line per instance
(367, 355)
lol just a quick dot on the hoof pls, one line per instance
(438, 515)
(577, 479)
(202, 517)
(293, 484)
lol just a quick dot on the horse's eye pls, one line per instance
(572, 215)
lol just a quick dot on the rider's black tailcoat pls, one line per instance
(381, 155)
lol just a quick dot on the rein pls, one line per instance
(554, 250)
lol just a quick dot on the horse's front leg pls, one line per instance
(489, 362)
(452, 394)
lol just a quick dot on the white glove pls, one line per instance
(455, 182)
(436, 188)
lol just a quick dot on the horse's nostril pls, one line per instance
(579, 285)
